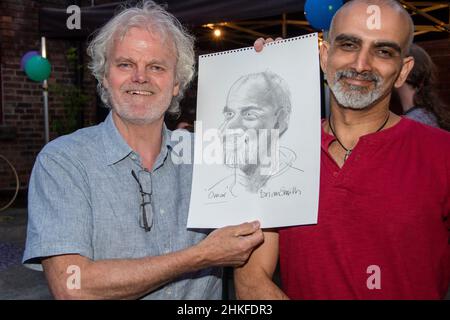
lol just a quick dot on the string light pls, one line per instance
(217, 33)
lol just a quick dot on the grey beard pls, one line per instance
(354, 97)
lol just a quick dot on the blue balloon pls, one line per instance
(319, 13)
(27, 57)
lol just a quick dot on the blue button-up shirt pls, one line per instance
(84, 200)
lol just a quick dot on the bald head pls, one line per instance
(404, 19)
(258, 101)
(264, 87)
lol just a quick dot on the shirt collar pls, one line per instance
(116, 148)
(327, 138)
(166, 146)
(390, 133)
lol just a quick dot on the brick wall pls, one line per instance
(22, 125)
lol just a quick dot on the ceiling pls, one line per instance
(240, 22)
(431, 19)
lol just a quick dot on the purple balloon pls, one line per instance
(27, 57)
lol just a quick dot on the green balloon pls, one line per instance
(38, 68)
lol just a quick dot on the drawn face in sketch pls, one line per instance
(255, 101)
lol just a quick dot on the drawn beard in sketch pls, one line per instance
(256, 113)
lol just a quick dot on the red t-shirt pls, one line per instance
(382, 229)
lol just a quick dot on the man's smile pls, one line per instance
(357, 82)
(140, 92)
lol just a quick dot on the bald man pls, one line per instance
(256, 104)
(383, 222)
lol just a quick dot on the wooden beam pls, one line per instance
(420, 32)
(298, 22)
(432, 8)
(439, 24)
(284, 26)
(427, 3)
(427, 28)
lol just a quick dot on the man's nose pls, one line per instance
(235, 123)
(363, 61)
(140, 75)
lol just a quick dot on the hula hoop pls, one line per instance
(17, 184)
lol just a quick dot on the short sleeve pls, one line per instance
(59, 210)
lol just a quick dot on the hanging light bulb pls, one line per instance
(217, 33)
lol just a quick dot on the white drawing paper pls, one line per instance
(257, 136)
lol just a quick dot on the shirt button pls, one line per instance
(133, 157)
(335, 173)
(162, 211)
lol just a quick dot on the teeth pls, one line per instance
(144, 93)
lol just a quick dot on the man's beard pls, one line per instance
(238, 151)
(356, 97)
(252, 151)
(125, 109)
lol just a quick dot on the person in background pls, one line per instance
(418, 95)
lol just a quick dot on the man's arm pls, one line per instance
(254, 279)
(133, 278)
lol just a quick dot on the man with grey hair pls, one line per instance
(384, 205)
(107, 205)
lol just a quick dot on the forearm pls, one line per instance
(133, 278)
(254, 279)
(256, 286)
(126, 278)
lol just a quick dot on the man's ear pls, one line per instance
(105, 82)
(408, 64)
(324, 48)
(176, 89)
(282, 120)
